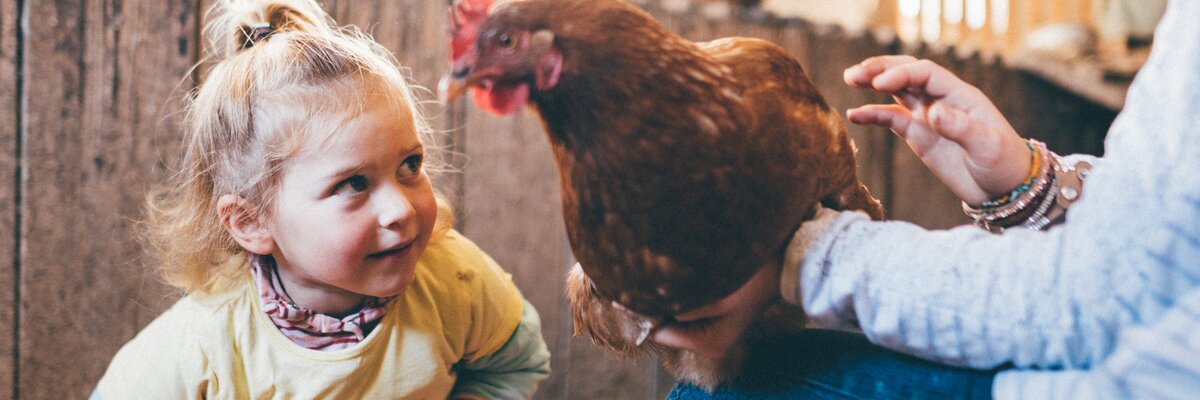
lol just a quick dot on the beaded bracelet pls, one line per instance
(1016, 205)
(1044, 202)
(1035, 169)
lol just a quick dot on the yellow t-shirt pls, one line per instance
(462, 306)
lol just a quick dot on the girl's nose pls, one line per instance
(394, 207)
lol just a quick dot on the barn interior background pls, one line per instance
(92, 87)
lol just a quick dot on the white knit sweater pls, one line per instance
(1106, 305)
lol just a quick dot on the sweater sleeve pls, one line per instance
(504, 355)
(963, 296)
(1059, 298)
(1151, 362)
(514, 371)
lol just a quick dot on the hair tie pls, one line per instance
(255, 33)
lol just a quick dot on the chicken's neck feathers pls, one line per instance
(631, 80)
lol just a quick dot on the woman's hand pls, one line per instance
(952, 126)
(712, 330)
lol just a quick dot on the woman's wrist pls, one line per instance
(1041, 200)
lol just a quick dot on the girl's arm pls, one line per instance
(514, 371)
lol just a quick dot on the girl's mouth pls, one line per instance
(398, 250)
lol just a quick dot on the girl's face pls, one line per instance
(353, 215)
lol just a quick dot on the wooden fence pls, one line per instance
(91, 89)
(1001, 25)
(986, 24)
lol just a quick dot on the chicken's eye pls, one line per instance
(506, 41)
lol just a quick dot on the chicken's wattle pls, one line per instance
(501, 99)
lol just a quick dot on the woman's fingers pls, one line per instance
(952, 124)
(922, 132)
(861, 75)
(922, 75)
(891, 116)
(912, 81)
(912, 128)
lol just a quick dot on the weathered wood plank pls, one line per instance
(99, 77)
(10, 130)
(415, 31)
(512, 208)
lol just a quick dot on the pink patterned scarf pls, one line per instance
(305, 327)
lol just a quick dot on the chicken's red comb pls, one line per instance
(465, 18)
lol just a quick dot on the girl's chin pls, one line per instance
(396, 288)
(395, 293)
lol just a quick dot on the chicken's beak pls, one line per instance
(450, 87)
(458, 79)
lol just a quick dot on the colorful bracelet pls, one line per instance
(1039, 201)
(1069, 177)
(1035, 170)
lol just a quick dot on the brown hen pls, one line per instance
(685, 167)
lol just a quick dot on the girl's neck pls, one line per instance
(333, 302)
(306, 327)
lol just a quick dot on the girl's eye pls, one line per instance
(411, 166)
(351, 185)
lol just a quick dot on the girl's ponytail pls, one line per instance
(237, 25)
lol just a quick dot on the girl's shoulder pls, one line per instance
(165, 358)
(456, 262)
(472, 296)
(171, 356)
(452, 248)
(185, 320)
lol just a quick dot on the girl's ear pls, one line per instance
(244, 225)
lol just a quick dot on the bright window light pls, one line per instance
(910, 8)
(952, 11)
(1000, 16)
(931, 20)
(976, 13)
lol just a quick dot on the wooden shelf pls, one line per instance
(1086, 78)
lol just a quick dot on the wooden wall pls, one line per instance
(88, 92)
(93, 93)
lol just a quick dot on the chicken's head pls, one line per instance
(498, 57)
(465, 18)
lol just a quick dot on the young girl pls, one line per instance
(317, 260)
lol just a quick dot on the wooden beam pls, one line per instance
(99, 78)
(10, 135)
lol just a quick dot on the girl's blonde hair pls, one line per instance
(284, 75)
